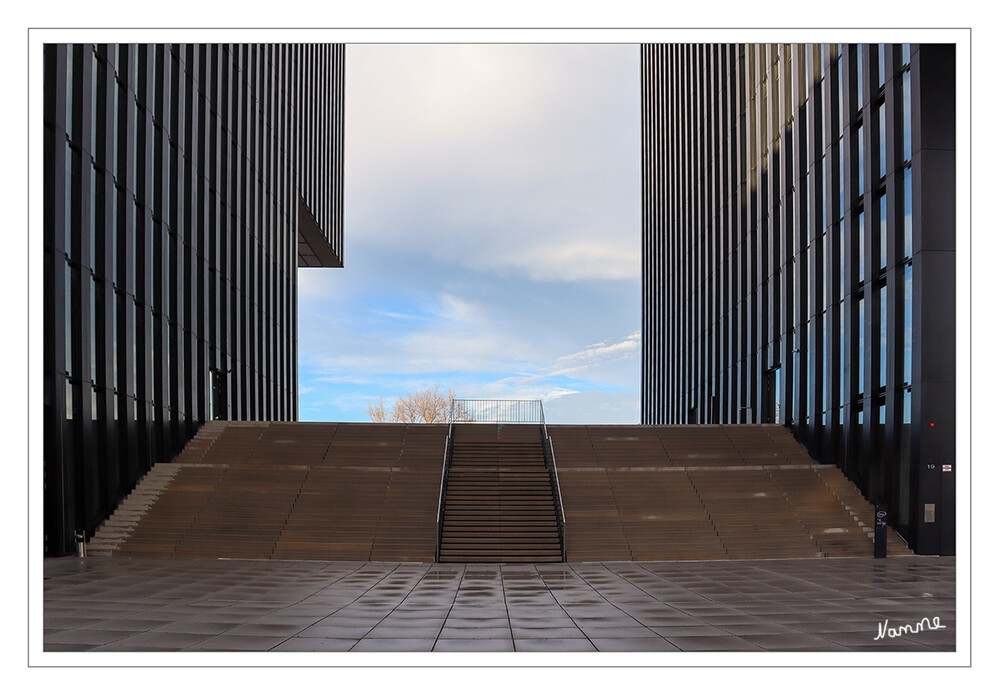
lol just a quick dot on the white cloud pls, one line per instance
(492, 230)
(512, 158)
(600, 352)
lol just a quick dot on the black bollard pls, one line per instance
(880, 531)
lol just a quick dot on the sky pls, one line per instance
(491, 233)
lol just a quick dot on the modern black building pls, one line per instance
(798, 257)
(184, 186)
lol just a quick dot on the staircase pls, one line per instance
(705, 492)
(290, 491)
(499, 504)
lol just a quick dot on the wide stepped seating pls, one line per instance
(354, 491)
(499, 504)
(321, 491)
(701, 492)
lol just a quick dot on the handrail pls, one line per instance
(497, 410)
(553, 476)
(558, 489)
(440, 495)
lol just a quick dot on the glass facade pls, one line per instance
(176, 177)
(839, 134)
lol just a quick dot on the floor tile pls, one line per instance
(393, 645)
(715, 643)
(314, 644)
(230, 643)
(474, 645)
(553, 645)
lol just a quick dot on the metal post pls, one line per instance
(880, 531)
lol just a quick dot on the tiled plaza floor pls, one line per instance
(121, 604)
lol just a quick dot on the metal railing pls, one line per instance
(497, 411)
(549, 451)
(448, 450)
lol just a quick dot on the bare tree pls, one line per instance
(421, 405)
(376, 410)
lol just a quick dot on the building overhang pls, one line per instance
(314, 249)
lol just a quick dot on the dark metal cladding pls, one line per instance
(798, 233)
(184, 186)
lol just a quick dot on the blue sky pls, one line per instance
(492, 233)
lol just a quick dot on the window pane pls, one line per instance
(116, 302)
(907, 325)
(906, 116)
(842, 180)
(842, 262)
(809, 378)
(91, 258)
(906, 56)
(861, 347)
(68, 313)
(881, 64)
(134, 348)
(823, 245)
(904, 456)
(822, 193)
(883, 163)
(860, 246)
(883, 345)
(68, 208)
(115, 221)
(93, 104)
(843, 390)
(860, 160)
(69, 91)
(860, 76)
(884, 231)
(826, 396)
(907, 204)
(94, 332)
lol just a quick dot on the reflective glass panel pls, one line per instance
(907, 325)
(843, 390)
(907, 206)
(68, 312)
(842, 262)
(883, 153)
(67, 221)
(883, 343)
(906, 116)
(93, 104)
(69, 91)
(861, 345)
(883, 226)
(860, 76)
(860, 159)
(860, 246)
(94, 332)
(881, 64)
(842, 180)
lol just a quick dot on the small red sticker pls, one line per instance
(947, 468)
